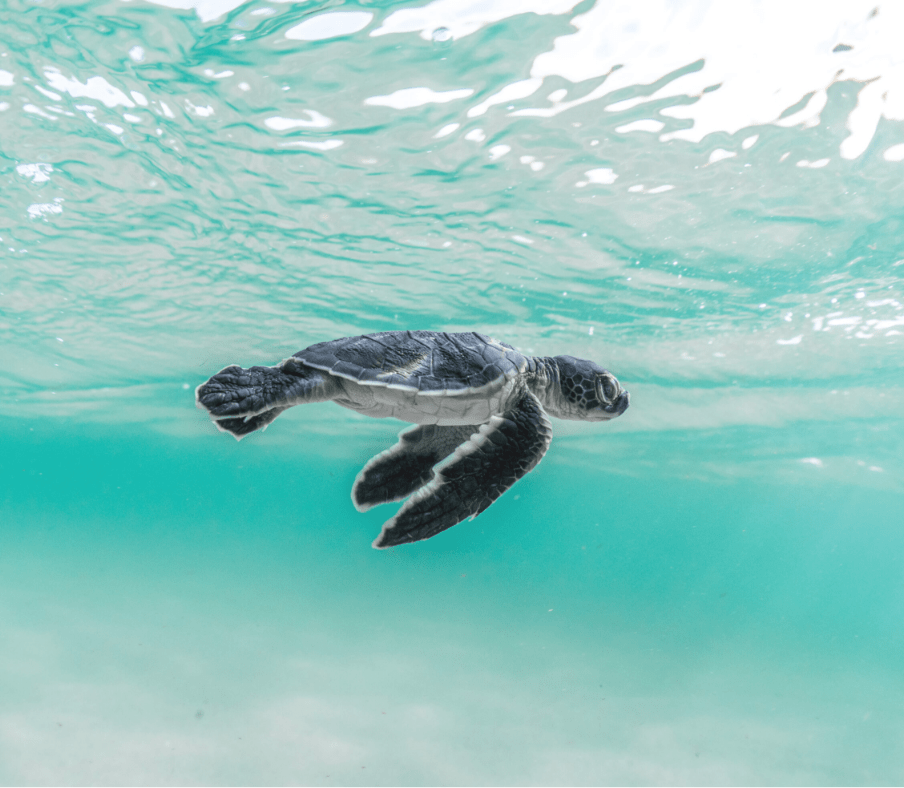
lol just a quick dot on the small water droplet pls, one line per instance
(441, 35)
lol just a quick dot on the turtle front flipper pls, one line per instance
(482, 469)
(400, 470)
(243, 400)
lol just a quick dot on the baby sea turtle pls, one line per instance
(475, 402)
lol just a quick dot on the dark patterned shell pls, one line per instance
(424, 361)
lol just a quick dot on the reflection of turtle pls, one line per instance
(476, 402)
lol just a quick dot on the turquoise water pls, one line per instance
(707, 590)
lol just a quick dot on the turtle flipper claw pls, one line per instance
(240, 426)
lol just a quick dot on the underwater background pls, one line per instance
(704, 197)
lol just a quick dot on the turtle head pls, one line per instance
(585, 391)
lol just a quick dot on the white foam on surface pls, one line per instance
(464, 18)
(330, 25)
(314, 120)
(408, 98)
(96, 88)
(757, 58)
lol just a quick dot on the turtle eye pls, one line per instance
(604, 383)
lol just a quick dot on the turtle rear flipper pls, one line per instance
(244, 400)
(483, 468)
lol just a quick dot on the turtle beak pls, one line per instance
(618, 405)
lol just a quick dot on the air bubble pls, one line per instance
(441, 35)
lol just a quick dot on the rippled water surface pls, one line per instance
(704, 197)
